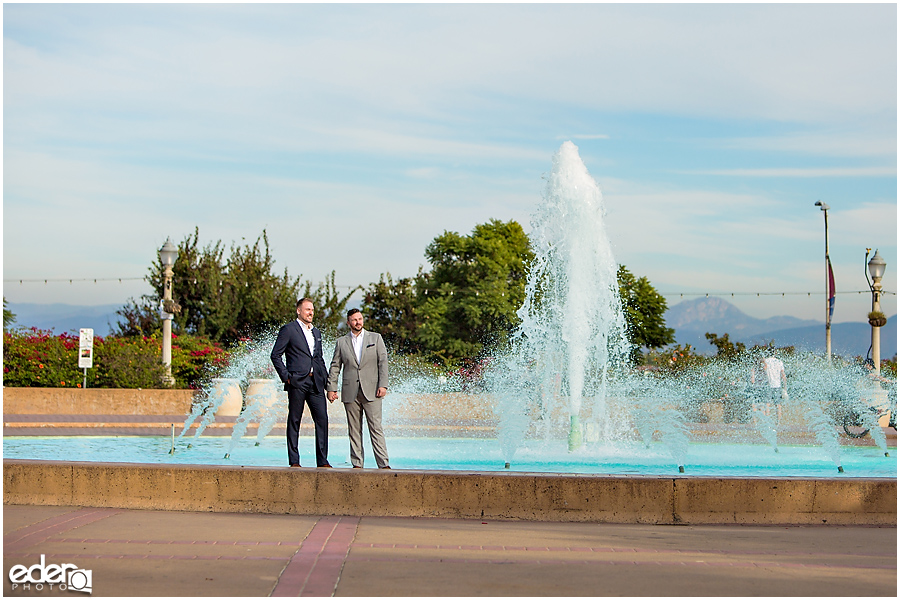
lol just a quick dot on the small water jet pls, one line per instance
(222, 392)
(263, 405)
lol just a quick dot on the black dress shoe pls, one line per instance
(384, 467)
(325, 466)
(357, 467)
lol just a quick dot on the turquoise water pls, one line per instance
(468, 454)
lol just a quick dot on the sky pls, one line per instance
(355, 134)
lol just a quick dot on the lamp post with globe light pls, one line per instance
(876, 318)
(167, 256)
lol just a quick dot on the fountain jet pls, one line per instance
(572, 317)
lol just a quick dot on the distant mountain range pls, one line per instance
(62, 318)
(692, 319)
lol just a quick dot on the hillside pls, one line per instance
(62, 318)
(692, 319)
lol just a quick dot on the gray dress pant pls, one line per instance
(372, 411)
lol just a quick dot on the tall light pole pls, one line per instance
(829, 285)
(167, 256)
(876, 270)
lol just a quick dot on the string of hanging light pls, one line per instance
(73, 280)
(732, 294)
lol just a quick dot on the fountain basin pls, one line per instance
(460, 478)
(472, 454)
(457, 494)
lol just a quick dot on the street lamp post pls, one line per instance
(876, 270)
(167, 256)
(828, 284)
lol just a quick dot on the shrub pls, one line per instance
(35, 358)
(195, 359)
(127, 363)
(678, 358)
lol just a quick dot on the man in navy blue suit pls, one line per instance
(304, 380)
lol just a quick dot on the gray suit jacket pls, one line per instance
(369, 374)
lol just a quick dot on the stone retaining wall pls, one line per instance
(95, 401)
(525, 496)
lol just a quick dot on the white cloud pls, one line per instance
(133, 122)
(714, 241)
(801, 172)
(737, 60)
(867, 224)
(584, 136)
(829, 143)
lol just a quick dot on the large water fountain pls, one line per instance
(563, 397)
(568, 367)
(572, 327)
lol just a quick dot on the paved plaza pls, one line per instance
(166, 553)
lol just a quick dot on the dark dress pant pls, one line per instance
(318, 408)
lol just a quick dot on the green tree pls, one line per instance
(330, 305)
(477, 283)
(644, 313)
(224, 299)
(725, 348)
(391, 308)
(769, 349)
(8, 317)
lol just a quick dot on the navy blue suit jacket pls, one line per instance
(292, 344)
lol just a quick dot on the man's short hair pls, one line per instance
(302, 300)
(352, 312)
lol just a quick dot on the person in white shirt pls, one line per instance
(771, 379)
(362, 356)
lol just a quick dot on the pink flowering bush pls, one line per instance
(36, 358)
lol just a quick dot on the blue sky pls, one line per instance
(355, 134)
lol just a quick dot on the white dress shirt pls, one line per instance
(774, 371)
(358, 345)
(310, 340)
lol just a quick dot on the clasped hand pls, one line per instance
(379, 393)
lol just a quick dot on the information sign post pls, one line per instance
(85, 351)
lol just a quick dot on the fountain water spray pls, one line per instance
(264, 404)
(247, 364)
(572, 324)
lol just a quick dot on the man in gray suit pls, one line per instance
(362, 356)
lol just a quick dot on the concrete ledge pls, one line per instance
(95, 401)
(525, 496)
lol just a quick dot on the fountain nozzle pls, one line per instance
(575, 439)
(840, 469)
(681, 468)
(227, 455)
(506, 466)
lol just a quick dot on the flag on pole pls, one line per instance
(830, 290)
